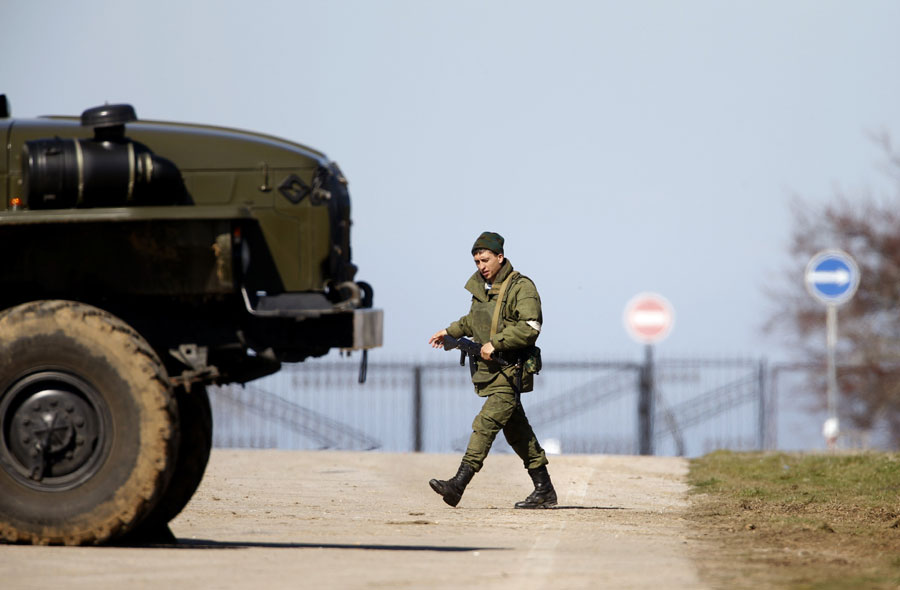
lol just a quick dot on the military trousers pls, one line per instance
(501, 411)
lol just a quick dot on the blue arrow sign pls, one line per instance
(832, 277)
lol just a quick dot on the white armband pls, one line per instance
(534, 324)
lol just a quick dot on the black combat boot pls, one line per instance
(452, 489)
(543, 496)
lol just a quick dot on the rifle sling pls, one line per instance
(495, 321)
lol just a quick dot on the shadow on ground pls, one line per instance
(208, 544)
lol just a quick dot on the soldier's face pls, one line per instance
(488, 264)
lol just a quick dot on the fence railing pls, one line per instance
(585, 407)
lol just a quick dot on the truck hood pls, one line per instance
(192, 147)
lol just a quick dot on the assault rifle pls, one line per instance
(471, 349)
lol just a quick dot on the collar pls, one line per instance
(477, 287)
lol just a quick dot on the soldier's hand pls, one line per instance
(487, 350)
(437, 340)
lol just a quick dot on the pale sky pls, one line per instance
(619, 147)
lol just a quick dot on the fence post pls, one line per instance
(417, 409)
(761, 386)
(645, 403)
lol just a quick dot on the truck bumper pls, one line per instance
(309, 321)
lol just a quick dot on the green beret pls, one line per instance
(489, 241)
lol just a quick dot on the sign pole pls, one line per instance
(831, 344)
(645, 403)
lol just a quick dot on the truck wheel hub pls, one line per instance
(53, 427)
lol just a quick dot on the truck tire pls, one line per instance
(195, 420)
(88, 425)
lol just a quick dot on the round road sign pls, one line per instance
(648, 318)
(832, 277)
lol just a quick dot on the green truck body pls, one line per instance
(218, 254)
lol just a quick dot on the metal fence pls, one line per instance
(796, 408)
(584, 407)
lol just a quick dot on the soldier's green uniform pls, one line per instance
(517, 331)
(513, 333)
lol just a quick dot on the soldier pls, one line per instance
(506, 316)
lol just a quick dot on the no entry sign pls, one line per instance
(648, 318)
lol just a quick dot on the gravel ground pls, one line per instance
(297, 519)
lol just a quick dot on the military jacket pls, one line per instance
(518, 328)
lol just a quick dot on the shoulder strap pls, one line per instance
(496, 319)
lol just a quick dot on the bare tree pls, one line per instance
(868, 353)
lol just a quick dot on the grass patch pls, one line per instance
(797, 521)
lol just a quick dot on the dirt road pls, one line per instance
(289, 519)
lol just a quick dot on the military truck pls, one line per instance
(143, 261)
